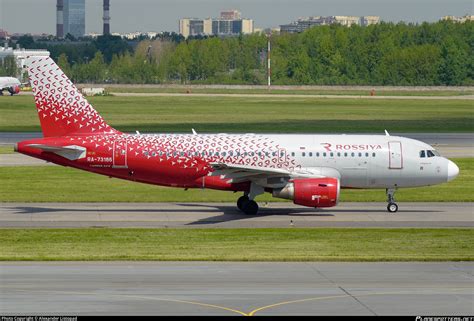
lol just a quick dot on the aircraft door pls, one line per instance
(395, 155)
(282, 156)
(120, 154)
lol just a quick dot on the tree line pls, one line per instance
(425, 54)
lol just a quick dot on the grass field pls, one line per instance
(6, 149)
(61, 184)
(252, 114)
(378, 92)
(237, 244)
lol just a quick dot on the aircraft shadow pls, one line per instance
(227, 213)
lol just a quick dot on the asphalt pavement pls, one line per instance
(237, 288)
(226, 215)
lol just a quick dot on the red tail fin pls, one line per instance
(61, 107)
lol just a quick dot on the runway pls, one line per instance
(226, 215)
(246, 289)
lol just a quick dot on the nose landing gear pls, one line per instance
(392, 207)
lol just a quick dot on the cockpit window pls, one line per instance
(430, 153)
(422, 154)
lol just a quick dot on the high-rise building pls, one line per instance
(305, 23)
(73, 18)
(230, 23)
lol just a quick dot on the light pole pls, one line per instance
(269, 60)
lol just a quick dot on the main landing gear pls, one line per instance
(246, 203)
(392, 207)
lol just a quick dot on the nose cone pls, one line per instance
(453, 171)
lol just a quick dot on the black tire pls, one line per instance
(241, 201)
(250, 208)
(392, 208)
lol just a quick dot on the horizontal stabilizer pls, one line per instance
(71, 152)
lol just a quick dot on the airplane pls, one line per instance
(310, 170)
(11, 84)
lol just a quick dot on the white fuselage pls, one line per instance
(366, 161)
(7, 82)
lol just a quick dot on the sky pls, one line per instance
(39, 16)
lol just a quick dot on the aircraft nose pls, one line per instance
(453, 171)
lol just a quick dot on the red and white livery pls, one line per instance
(308, 169)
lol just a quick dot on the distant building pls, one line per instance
(458, 19)
(75, 17)
(20, 56)
(231, 15)
(3, 34)
(305, 23)
(71, 18)
(228, 24)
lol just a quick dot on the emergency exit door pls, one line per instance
(395, 155)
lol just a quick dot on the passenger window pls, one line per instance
(293, 154)
(352, 154)
(303, 154)
(324, 154)
(373, 154)
(224, 153)
(317, 154)
(310, 154)
(360, 154)
(366, 154)
(345, 154)
(338, 154)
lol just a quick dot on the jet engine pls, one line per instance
(14, 90)
(311, 192)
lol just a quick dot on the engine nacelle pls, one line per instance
(14, 90)
(311, 192)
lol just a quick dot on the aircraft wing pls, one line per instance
(249, 169)
(71, 152)
(264, 176)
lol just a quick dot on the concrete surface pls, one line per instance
(206, 288)
(226, 215)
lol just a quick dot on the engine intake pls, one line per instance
(311, 192)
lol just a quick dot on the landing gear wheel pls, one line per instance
(250, 208)
(241, 201)
(392, 207)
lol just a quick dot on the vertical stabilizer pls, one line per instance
(62, 109)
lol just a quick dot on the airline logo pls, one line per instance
(329, 147)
